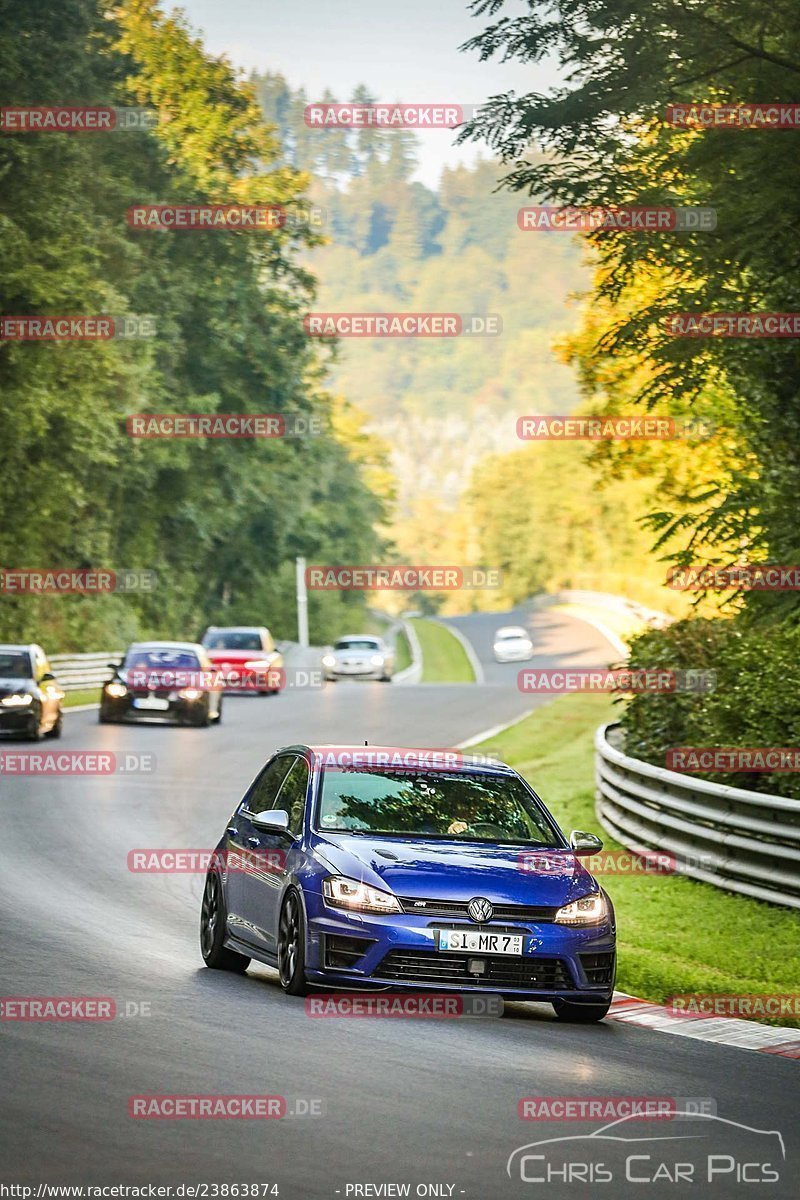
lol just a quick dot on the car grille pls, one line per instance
(458, 908)
(598, 968)
(545, 974)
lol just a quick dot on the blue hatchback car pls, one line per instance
(386, 868)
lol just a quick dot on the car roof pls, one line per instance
(517, 630)
(321, 750)
(156, 645)
(235, 629)
(362, 637)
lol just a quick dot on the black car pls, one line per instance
(163, 680)
(30, 697)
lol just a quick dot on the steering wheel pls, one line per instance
(487, 827)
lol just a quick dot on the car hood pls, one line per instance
(445, 870)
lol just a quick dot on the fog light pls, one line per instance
(476, 966)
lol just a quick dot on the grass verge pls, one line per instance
(443, 656)
(675, 935)
(402, 651)
(89, 696)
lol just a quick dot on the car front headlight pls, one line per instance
(257, 664)
(190, 693)
(340, 892)
(18, 700)
(328, 660)
(589, 910)
(377, 660)
(117, 690)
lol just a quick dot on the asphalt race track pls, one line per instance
(419, 1102)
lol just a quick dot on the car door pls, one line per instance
(284, 850)
(244, 849)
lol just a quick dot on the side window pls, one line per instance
(264, 791)
(292, 796)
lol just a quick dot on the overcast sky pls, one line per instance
(402, 51)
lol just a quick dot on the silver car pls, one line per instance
(512, 644)
(359, 656)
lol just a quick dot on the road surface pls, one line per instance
(406, 1102)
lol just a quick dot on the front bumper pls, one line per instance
(18, 720)
(179, 710)
(400, 951)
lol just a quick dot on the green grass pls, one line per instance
(675, 935)
(443, 656)
(89, 696)
(402, 651)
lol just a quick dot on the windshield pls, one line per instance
(509, 635)
(474, 808)
(233, 639)
(14, 664)
(148, 658)
(356, 644)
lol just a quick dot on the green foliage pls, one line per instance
(219, 521)
(606, 142)
(754, 702)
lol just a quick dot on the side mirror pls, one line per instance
(272, 820)
(583, 844)
(48, 677)
(114, 666)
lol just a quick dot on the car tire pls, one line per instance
(292, 946)
(58, 726)
(213, 921)
(386, 679)
(104, 719)
(34, 732)
(218, 718)
(582, 1014)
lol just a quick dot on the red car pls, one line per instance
(246, 657)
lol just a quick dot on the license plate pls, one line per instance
(480, 941)
(152, 702)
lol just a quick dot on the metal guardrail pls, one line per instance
(76, 672)
(747, 842)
